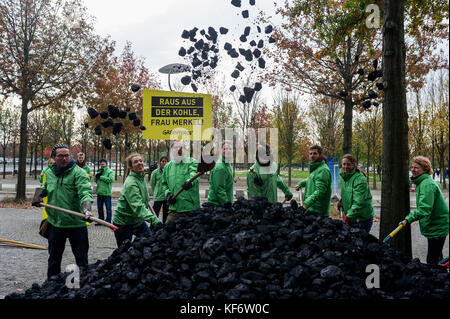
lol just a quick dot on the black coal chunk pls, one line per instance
(240, 67)
(117, 127)
(261, 63)
(132, 116)
(252, 2)
(236, 3)
(104, 115)
(185, 34)
(268, 29)
(361, 71)
(256, 53)
(245, 14)
(194, 87)
(366, 105)
(271, 40)
(250, 249)
(249, 92)
(223, 30)
(136, 122)
(92, 112)
(233, 88)
(243, 38)
(98, 130)
(258, 86)
(252, 43)
(135, 87)
(380, 86)
(107, 144)
(260, 44)
(242, 99)
(235, 74)
(186, 80)
(182, 51)
(373, 94)
(247, 31)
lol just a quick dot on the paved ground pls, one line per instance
(20, 267)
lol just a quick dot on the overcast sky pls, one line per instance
(154, 27)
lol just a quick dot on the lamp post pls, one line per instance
(174, 68)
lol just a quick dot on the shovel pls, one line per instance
(393, 233)
(202, 168)
(71, 212)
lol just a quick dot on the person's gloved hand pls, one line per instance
(340, 206)
(86, 206)
(347, 220)
(258, 181)
(153, 167)
(404, 223)
(186, 186)
(288, 197)
(170, 199)
(97, 176)
(40, 194)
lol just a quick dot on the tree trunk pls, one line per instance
(289, 170)
(395, 184)
(42, 156)
(35, 160)
(31, 159)
(374, 185)
(14, 155)
(21, 184)
(117, 167)
(348, 120)
(4, 162)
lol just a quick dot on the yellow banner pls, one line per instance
(176, 113)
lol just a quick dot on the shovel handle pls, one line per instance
(393, 233)
(189, 181)
(90, 219)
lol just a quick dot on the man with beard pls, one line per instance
(82, 163)
(318, 184)
(263, 179)
(175, 176)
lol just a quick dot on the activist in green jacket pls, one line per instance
(132, 206)
(356, 196)
(67, 188)
(221, 183)
(317, 188)
(82, 164)
(432, 211)
(175, 175)
(104, 179)
(155, 184)
(262, 184)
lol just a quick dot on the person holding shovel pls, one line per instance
(176, 176)
(67, 186)
(432, 211)
(132, 209)
(263, 179)
(355, 195)
(318, 184)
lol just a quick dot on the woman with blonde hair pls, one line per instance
(355, 195)
(431, 209)
(132, 210)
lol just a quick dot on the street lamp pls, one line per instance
(174, 68)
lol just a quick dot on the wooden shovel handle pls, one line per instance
(189, 181)
(71, 212)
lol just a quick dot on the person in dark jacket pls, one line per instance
(67, 186)
(432, 210)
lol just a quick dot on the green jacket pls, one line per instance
(318, 188)
(86, 168)
(67, 191)
(104, 183)
(155, 184)
(432, 210)
(132, 206)
(221, 183)
(271, 183)
(174, 175)
(356, 196)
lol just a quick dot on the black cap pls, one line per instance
(92, 112)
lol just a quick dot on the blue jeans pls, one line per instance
(107, 201)
(127, 232)
(365, 224)
(79, 242)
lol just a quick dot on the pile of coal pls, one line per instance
(251, 249)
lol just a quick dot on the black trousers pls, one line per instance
(157, 207)
(435, 246)
(79, 242)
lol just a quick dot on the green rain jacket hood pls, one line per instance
(432, 210)
(132, 206)
(356, 196)
(221, 183)
(68, 191)
(272, 181)
(318, 188)
(174, 176)
(104, 183)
